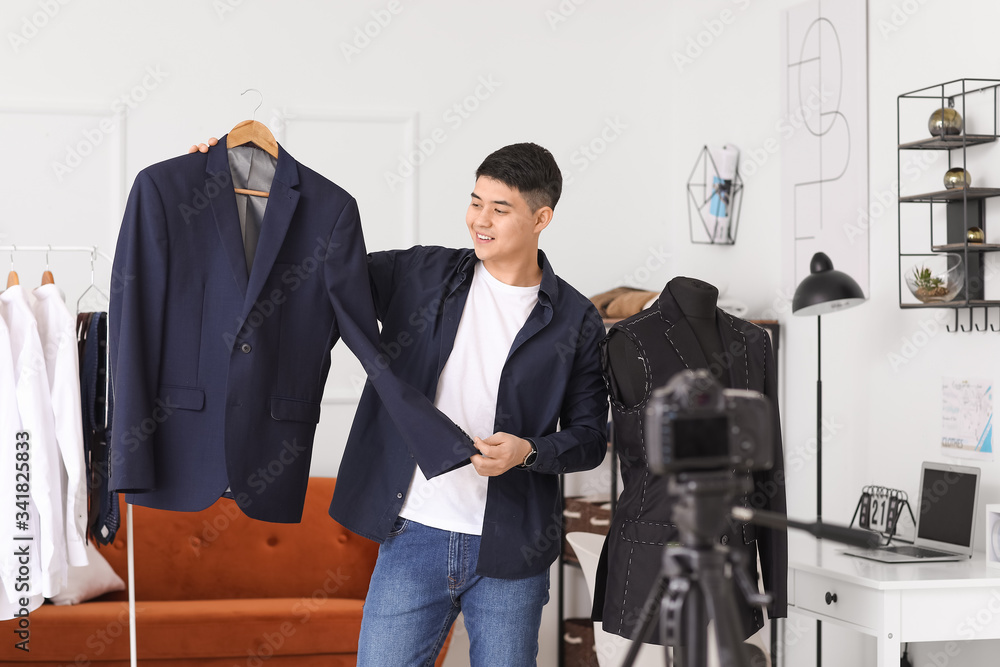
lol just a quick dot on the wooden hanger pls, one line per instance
(256, 133)
(47, 278)
(253, 132)
(12, 276)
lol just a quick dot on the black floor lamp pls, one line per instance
(823, 291)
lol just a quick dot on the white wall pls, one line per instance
(565, 73)
(885, 417)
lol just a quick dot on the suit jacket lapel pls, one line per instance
(734, 346)
(277, 218)
(685, 343)
(227, 219)
(680, 336)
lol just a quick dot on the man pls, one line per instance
(508, 351)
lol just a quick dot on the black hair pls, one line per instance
(529, 169)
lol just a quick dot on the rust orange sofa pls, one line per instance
(216, 589)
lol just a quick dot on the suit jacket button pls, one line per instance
(725, 539)
(399, 495)
(245, 348)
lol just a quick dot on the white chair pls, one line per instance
(611, 649)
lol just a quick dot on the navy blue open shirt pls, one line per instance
(551, 380)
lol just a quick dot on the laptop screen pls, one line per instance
(947, 506)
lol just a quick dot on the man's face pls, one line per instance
(502, 225)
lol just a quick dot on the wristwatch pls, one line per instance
(529, 459)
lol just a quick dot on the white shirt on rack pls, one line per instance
(467, 390)
(57, 330)
(34, 404)
(10, 428)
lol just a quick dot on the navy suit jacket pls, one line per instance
(218, 373)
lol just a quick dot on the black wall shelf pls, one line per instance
(945, 196)
(965, 207)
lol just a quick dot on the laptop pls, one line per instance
(946, 517)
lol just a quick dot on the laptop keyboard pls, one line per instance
(917, 552)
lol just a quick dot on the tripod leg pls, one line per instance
(644, 626)
(721, 605)
(672, 613)
(695, 624)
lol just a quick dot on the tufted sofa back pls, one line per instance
(220, 553)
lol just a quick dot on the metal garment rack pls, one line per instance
(94, 254)
(55, 248)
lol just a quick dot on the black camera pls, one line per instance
(692, 423)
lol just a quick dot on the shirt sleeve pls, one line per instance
(381, 271)
(581, 441)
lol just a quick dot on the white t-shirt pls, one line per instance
(467, 393)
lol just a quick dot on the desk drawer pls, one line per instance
(854, 604)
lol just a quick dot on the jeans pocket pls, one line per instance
(398, 526)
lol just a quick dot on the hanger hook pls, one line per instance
(47, 257)
(254, 115)
(13, 249)
(93, 260)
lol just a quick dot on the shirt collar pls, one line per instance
(549, 285)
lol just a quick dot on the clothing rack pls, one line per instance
(55, 248)
(94, 254)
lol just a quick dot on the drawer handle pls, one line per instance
(570, 514)
(831, 598)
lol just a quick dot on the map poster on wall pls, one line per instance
(967, 419)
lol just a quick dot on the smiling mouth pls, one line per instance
(483, 237)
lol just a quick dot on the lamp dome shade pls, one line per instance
(825, 290)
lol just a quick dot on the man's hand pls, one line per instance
(499, 453)
(202, 147)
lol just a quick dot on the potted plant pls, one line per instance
(936, 280)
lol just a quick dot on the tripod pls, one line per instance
(696, 576)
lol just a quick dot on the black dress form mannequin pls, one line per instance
(697, 300)
(683, 329)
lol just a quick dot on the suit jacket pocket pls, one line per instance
(291, 409)
(649, 532)
(185, 398)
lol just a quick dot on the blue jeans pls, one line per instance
(422, 579)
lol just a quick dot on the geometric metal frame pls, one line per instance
(704, 184)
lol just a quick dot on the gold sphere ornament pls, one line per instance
(945, 121)
(975, 235)
(957, 178)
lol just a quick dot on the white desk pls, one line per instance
(906, 602)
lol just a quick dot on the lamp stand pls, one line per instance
(824, 290)
(819, 419)
(819, 459)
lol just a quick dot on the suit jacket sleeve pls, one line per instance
(769, 494)
(138, 292)
(582, 440)
(437, 444)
